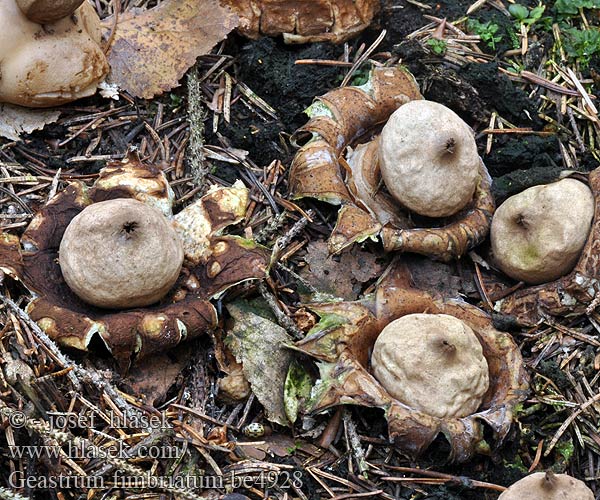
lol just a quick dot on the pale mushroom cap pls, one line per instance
(538, 235)
(120, 254)
(433, 363)
(47, 11)
(540, 486)
(43, 66)
(429, 159)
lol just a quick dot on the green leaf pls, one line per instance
(298, 385)
(261, 346)
(519, 11)
(536, 12)
(567, 8)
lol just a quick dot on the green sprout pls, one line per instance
(438, 47)
(488, 32)
(582, 45)
(570, 8)
(530, 17)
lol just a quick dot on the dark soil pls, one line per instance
(267, 67)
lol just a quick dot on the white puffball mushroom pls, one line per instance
(433, 363)
(47, 11)
(538, 235)
(548, 486)
(428, 159)
(49, 65)
(120, 254)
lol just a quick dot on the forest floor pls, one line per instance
(528, 130)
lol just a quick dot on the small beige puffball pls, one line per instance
(120, 254)
(538, 235)
(433, 363)
(548, 486)
(428, 159)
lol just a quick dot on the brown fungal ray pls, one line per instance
(343, 338)
(132, 179)
(569, 295)
(465, 231)
(363, 178)
(337, 119)
(301, 22)
(353, 225)
(130, 334)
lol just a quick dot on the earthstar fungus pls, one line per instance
(537, 235)
(347, 115)
(548, 486)
(50, 64)
(119, 254)
(428, 159)
(347, 331)
(433, 363)
(47, 11)
(568, 295)
(213, 263)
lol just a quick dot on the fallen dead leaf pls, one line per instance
(341, 276)
(16, 120)
(157, 374)
(152, 49)
(260, 345)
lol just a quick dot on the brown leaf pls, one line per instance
(16, 120)
(341, 277)
(152, 49)
(153, 378)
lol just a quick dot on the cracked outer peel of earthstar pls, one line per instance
(342, 340)
(320, 170)
(570, 295)
(213, 263)
(301, 21)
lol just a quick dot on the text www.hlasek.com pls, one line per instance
(81, 451)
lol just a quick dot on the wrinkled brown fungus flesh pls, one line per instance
(319, 170)
(299, 21)
(50, 64)
(569, 295)
(341, 343)
(548, 486)
(213, 263)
